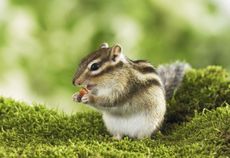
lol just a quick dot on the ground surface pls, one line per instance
(197, 125)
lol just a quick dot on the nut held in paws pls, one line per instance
(82, 92)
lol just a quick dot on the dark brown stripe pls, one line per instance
(152, 82)
(110, 69)
(145, 70)
(139, 61)
(135, 88)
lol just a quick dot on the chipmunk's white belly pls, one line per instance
(137, 125)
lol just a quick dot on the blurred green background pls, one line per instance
(42, 41)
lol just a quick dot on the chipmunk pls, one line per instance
(130, 94)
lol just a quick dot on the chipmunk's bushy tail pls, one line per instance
(172, 75)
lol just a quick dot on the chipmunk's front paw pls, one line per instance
(85, 99)
(76, 97)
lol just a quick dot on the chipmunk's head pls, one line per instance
(98, 68)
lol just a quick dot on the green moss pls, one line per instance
(201, 89)
(34, 131)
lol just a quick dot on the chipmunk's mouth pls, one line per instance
(90, 86)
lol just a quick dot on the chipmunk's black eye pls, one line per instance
(94, 67)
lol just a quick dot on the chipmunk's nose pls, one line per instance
(77, 82)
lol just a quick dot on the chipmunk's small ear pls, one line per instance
(104, 45)
(117, 49)
(115, 52)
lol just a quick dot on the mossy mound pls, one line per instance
(27, 131)
(201, 89)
